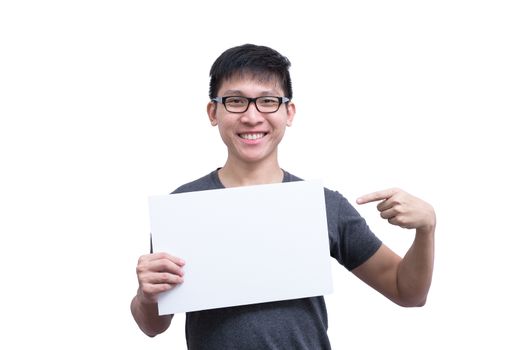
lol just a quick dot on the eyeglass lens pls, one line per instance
(264, 104)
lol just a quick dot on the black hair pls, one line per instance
(261, 62)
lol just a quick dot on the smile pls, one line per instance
(252, 136)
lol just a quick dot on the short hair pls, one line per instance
(261, 62)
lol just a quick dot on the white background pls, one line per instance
(102, 103)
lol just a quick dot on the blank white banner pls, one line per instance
(244, 245)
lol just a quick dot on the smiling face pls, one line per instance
(251, 137)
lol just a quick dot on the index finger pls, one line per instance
(376, 196)
(164, 255)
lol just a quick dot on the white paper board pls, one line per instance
(244, 245)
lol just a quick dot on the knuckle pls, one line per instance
(140, 269)
(162, 255)
(165, 277)
(397, 191)
(148, 289)
(403, 222)
(142, 260)
(165, 265)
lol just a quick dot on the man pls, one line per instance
(250, 92)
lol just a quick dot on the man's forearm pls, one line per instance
(416, 269)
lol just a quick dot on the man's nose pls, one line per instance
(252, 115)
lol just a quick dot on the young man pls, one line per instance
(250, 91)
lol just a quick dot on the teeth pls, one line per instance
(252, 136)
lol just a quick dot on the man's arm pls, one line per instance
(406, 281)
(156, 273)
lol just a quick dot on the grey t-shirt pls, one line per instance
(289, 324)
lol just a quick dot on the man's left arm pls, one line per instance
(406, 281)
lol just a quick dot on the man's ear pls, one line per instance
(290, 113)
(212, 113)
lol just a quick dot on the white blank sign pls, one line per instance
(244, 245)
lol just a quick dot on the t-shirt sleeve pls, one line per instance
(351, 240)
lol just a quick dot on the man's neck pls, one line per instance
(235, 175)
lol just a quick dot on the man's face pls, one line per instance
(251, 136)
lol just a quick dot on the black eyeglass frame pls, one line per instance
(223, 100)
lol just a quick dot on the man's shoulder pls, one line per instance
(288, 177)
(331, 195)
(206, 182)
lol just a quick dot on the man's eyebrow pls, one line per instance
(232, 92)
(240, 93)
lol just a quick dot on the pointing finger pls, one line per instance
(376, 196)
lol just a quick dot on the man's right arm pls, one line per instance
(147, 318)
(156, 273)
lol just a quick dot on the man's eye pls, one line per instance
(236, 101)
(268, 101)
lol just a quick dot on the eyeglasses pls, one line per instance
(240, 104)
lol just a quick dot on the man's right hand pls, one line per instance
(157, 273)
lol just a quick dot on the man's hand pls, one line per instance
(157, 273)
(402, 209)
